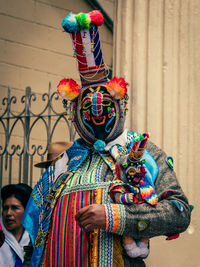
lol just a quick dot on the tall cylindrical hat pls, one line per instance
(87, 46)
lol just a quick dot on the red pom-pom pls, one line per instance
(68, 89)
(96, 17)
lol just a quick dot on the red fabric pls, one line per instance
(2, 236)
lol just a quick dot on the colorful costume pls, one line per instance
(81, 176)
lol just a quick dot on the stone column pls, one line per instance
(156, 49)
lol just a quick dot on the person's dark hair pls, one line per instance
(20, 191)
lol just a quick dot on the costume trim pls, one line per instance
(113, 214)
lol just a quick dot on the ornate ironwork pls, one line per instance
(28, 120)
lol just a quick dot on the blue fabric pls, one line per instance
(78, 148)
(29, 221)
(36, 256)
(151, 168)
(18, 262)
(34, 209)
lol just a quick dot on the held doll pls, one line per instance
(129, 190)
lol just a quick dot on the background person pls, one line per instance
(54, 150)
(2, 236)
(14, 199)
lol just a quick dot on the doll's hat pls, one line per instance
(54, 150)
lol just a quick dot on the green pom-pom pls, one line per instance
(83, 20)
(191, 207)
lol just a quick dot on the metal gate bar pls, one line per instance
(28, 120)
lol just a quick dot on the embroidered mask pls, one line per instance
(97, 114)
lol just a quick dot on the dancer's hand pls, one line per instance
(91, 217)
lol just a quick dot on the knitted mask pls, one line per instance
(97, 115)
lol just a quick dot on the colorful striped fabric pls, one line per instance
(148, 193)
(126, 194)
(68, 244)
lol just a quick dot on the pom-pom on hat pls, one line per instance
(83, 20)
(73, 23)
(68, 89)
(96, 17)
(70, 24)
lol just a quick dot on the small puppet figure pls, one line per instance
(132, 188)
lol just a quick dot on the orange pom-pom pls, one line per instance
(117, 87)
(68, 89)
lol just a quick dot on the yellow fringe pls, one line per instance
(117, 252)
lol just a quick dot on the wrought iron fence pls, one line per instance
(25, 121)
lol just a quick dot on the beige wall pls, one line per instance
(34, 51)
(157, 50)
(109, 7)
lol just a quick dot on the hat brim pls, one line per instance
(43, 164)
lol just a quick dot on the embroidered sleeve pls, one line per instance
(115, 218)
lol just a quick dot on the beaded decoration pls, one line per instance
(93, 35)
(74, 46)
(68, 106)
